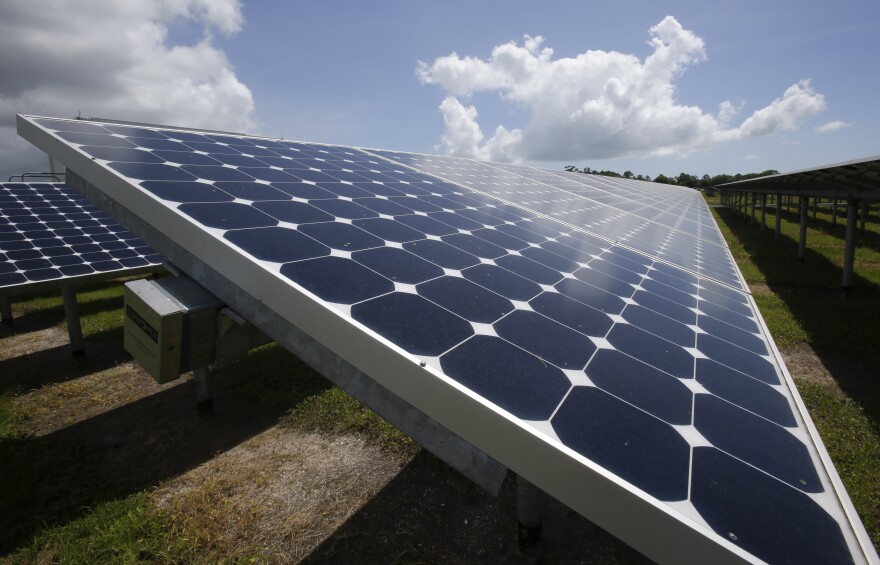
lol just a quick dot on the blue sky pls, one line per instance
(346, 73)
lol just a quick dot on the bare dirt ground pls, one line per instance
(241, 483)
(804, 364)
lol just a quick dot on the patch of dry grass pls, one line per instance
(58, 405)
(278, 495)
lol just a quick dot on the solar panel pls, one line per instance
(50, 234)
(646, 396)
(671, 223)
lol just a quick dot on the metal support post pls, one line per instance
(802, 243)
(763, 211)
(531, 506)
(74, 330)
(204, 398)
(849, 251)
(834, 212)
(778, 217)
(754, 202)
(864, 217)
(5, 311)
(815, 206)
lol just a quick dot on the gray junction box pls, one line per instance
(170, 325)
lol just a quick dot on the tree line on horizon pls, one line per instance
(683, 179)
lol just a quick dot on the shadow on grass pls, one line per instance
(25, 373)
(842, 331)
(43, 318)
(431, 514)
(822, 223)
(52, 479)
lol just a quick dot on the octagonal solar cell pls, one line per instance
(49, 233)
(578, 310)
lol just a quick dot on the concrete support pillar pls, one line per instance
(834, 212)
(778, 226)
(864, 217)
(204, 397)
(763, 211)
(5, 310)
(802, 243)
(531, 506)
(849, 250)
(74, 330)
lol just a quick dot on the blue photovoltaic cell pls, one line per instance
(669, 222)
(606, 313)
(49, 232)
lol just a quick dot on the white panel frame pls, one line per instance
(647, 525)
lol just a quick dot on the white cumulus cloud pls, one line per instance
(798, 103)
(115, 59)
(836, 125)
(598, 104)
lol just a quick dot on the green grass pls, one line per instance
(333, 411)
(852, 442)
(99, 306)
(12, 419)
(117, 531)
(785, 327)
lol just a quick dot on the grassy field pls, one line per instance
(100, 464)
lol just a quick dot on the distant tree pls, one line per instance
(685, 179)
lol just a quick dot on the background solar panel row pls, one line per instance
(49, 232)
(680, 240)
(661, 377)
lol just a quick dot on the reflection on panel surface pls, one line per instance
(660, 375)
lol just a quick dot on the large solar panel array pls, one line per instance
(637, 374)
(668, 222)
(50, 233)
